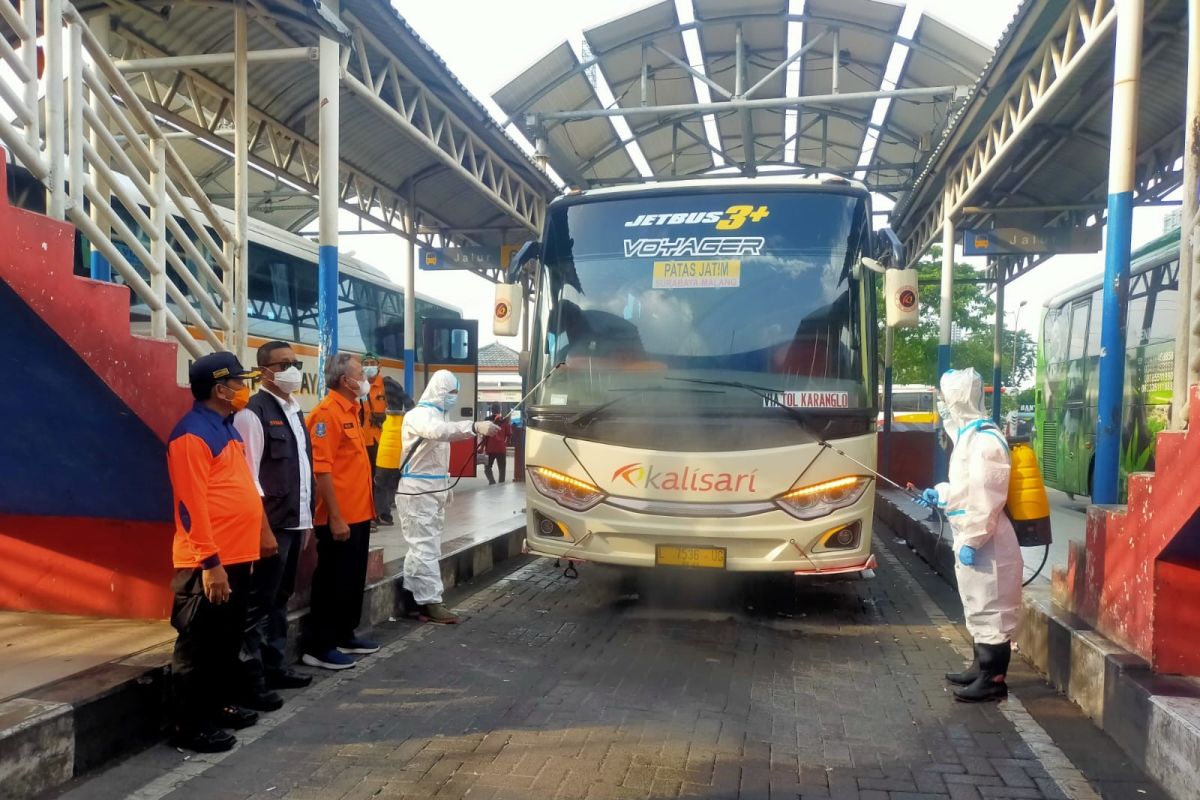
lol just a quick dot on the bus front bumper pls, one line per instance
(768, 542)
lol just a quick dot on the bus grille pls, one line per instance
(1049, 438)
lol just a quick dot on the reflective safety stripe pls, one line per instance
(431, 405)
(424, 475)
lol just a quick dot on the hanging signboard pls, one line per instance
(472, 257)
(1030, 241)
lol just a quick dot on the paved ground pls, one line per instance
(697, 686)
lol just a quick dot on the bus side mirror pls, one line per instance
(529, 251)
(900, 291)
(506, 316)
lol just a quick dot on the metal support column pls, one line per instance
(29, 55)
(1000, 271)
(410, 296)
(241, 181)
(327, 259)
(75, 114)
(1187, 351)
(946, 328)
(1121, 169)
(885, 450)
(52, 23)
(101, 270)
(158, 245)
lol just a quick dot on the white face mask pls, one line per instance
(370, 372)
(364, 389)
(289, 380)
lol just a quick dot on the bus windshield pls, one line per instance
(638, 292)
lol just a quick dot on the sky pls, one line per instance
(487, 43)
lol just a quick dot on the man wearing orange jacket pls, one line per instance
(218, 525)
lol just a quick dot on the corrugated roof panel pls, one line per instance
(658, 17)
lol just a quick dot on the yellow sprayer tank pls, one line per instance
(1028, 506)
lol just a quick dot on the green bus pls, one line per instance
(1068, 370)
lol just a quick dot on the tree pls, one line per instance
(914, 355)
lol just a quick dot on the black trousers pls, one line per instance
(337, 586)
(204, 668)
(493, 458)
(387, 482)
(264, 643)
(372, 452)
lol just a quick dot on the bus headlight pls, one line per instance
(819, 499)
(568, 492)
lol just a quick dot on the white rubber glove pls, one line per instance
(486, 428)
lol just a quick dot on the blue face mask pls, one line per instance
(451, 401)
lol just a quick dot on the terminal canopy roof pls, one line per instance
(410, 127)
(817, 83)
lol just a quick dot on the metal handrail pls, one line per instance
(143, 173)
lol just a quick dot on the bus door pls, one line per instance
(453, 344)
(1076, 434)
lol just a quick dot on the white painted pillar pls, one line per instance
(410, 296)
(1187, 354)
(329, 117)
(56, 201)
(241, 181)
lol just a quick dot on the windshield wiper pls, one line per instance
(586, 418)
(766, 393)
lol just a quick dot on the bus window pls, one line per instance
(1095, 324)
(1165, 309)
(1079, 329)
(1135, 317)
(1054, 335)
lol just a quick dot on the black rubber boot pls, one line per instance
(967, 676)
(989, 685)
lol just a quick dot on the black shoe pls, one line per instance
(262, 700)
(203, 740)
(967, 676)
(990, 684)
(235, 717)
(287, 679)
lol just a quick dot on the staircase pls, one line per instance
(1137, 579)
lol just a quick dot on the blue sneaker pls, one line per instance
(359, 646)
(330, 659)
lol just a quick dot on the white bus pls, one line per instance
(708, 335)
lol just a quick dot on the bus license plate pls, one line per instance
(669, 555)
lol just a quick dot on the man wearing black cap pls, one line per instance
(218, 519)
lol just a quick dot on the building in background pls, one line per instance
(499, 377)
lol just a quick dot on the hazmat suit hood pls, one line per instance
(962, 392)
(438, 389)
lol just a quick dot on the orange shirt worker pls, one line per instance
(345, 511)
(218, 521)
(374, 406)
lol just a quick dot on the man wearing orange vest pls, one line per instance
(218, 527)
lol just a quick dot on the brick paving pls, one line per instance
(696, 686)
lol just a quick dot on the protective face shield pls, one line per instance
(440, 385)
(370, 372)
(288, 380)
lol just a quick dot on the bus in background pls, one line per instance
(709, 333)
(1068, 358)
(283, 305)
(914, 408)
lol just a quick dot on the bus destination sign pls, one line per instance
(1030, 241)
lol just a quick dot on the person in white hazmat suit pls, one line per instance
(988, 562)
(425, 487)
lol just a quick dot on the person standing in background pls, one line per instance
(496, 445)
(280, 458)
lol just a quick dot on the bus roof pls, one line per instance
(1145, 257)
(732, 183)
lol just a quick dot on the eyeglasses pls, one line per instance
(282, 365)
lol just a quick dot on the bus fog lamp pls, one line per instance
(819, 499)
(568, 492)
(845, 537)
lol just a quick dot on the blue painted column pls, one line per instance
(329, 80)
(101, 270)
(410, 296)
(1117, 245)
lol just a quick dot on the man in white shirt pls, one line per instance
(280, 457)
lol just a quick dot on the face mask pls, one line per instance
(451, 401)
(364, 389)
(240, 398)
(289, 380)
(370, 372)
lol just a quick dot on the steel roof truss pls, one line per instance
(1070, 44)
(491, 173)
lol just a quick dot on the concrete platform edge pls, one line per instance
(64, 729)
(1155, 719)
